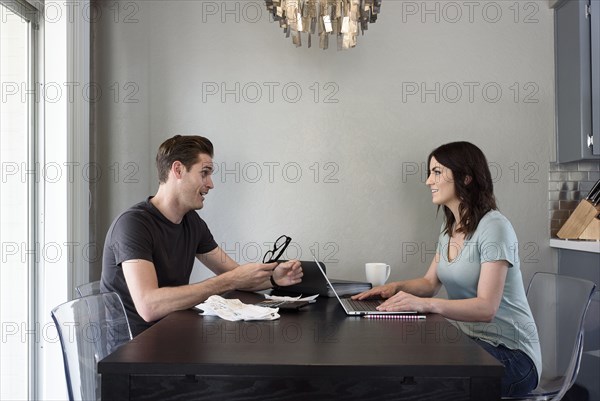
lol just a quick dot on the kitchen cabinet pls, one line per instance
(582, 259)
(577, 53)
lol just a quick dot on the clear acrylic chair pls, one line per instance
(558, 304)
(88, 288)
(89, 328)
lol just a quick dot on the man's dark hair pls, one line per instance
(181, 148)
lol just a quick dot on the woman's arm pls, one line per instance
(482, 308)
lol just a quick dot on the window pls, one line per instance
(17, 198)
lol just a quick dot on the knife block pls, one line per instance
(583, 222)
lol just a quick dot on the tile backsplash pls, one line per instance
(568, 183)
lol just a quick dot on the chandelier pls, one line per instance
(343, 18)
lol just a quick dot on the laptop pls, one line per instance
(312, 283)
(359, 308)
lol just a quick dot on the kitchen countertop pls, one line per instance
(576, 245)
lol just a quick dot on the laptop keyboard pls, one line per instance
(362, 305)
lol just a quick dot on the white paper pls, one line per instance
(234, 310)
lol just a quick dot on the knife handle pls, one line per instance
(594, 192)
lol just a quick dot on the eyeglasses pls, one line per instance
(274, 254)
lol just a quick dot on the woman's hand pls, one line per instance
(382, 291)
(403, 301)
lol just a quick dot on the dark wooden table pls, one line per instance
(317, 353)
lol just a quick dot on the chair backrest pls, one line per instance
(90, 288)
(89, 329)
(559, 304)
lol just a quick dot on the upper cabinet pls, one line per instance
(577, 53)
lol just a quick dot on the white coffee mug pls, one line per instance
(377, 273)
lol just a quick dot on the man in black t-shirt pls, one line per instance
(150, 248)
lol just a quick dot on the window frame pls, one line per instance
(31, 15)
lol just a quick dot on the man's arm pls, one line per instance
(284, 274)
(217, 261)
(153, 303)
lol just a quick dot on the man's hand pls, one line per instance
(288, 273)
(251, 275)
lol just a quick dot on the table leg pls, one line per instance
(115, 387)
(485, 388)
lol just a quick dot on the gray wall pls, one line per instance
(340, 171)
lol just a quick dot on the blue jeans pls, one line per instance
(520, 375)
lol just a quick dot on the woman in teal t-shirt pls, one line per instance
(477, 261)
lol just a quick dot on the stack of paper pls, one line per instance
(347, 287)
(309, 299)
(318, 285)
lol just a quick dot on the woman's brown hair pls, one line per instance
(472, 183)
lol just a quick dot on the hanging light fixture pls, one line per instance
(342, 18)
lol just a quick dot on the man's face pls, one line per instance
(196, 182)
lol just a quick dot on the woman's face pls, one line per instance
(441, 183)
